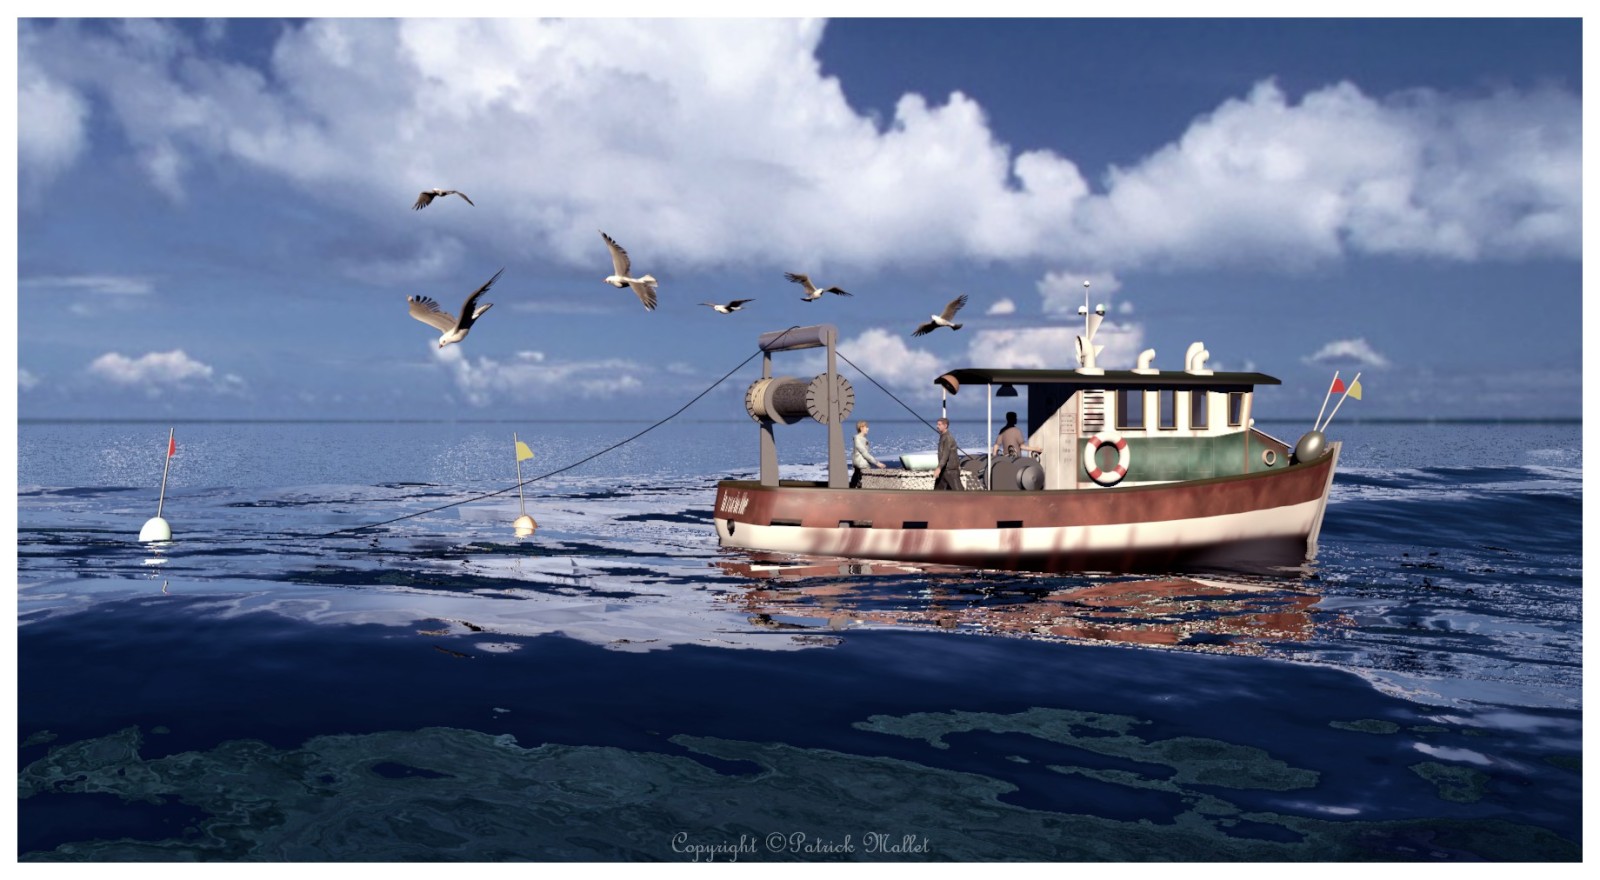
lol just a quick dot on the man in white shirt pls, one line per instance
(862, 455)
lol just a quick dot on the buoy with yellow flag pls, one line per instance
(156, 528)
(524, 524)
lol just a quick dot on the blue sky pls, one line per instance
(214, 216)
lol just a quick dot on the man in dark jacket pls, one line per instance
(949, 458)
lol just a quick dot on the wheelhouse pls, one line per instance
(1140, 426)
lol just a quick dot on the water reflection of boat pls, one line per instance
(1236, 615)
(1140, 470)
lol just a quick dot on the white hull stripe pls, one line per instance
(1291, 522)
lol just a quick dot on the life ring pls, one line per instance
(1269, 457)
(1091, 462)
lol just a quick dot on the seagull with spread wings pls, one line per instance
(942, 320)
(451, 328)
(812, 291)
(730, 308)
(428, 195)
(644, 285)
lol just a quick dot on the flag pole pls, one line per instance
(1340, 403)
(522, 504)
(524, 524)
(155, 528)
(164, 468)
(1325, 400)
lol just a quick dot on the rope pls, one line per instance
(569, 467)
(883, 389)
(902, 403)
(620, 443)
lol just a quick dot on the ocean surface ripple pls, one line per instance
(615, 687)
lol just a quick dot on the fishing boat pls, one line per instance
(1140, 470)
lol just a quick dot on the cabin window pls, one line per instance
(1130, 409)
(1167, 408)
(1235, 408)
(1199, 409)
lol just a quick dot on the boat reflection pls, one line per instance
(1235, 615)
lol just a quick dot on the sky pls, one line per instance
(214, 216)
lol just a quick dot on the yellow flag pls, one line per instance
(523, 452)
(1355, 389)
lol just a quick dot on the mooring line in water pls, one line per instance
(565, 468)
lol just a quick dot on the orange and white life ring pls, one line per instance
(1091, 461)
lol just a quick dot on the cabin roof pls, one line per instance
(953, 380)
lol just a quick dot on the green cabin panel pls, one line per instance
(1160, 459)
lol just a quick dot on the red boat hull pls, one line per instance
(1249, 522)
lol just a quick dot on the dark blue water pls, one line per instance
(614, 687)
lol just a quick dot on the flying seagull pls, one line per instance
(730, 308)
(943, 320)
(428, 195)
(812, 291)
(452, 329)
(644, 285)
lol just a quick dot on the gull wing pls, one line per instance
(928, 327)
(739, 302)
(423, 200)
(954, 306)
(619, 257)
(802, 280)
(463, 195)
(467, 313)
(428, 312)
(839, 290)
(647, 294)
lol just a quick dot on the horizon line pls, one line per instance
(200, 420)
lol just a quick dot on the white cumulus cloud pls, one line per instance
(1418, 173)
(529, 375)
(1054, 348)
(342, 109)
(54, 134)
(1348, 352)
(156, 368)
(26, 381)
(1002, 307)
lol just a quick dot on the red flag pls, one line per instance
(172, 446)
(1338, 386)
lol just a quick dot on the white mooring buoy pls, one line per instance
(156, 528)
(523, 526)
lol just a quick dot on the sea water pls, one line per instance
(281, 683)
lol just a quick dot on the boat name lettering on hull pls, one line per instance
(734, 502)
